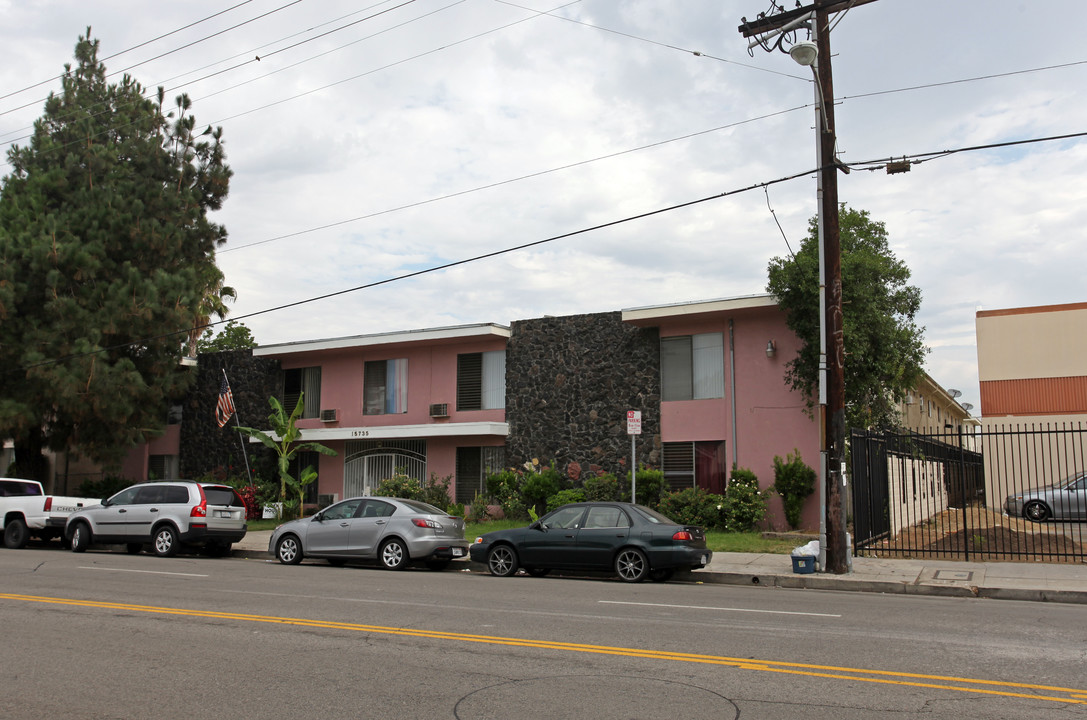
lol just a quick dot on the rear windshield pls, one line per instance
(422, 507)
(653, 516)
(14, 488)
(220, 495)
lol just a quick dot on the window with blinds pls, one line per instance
(385, 387)
(693, 367)
(303, 382)
(481, 380)
(473, 465)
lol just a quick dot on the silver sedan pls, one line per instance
(1064, 500)
(393, 531)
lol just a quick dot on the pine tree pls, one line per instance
(108, 264)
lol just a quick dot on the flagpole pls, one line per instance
(238, 424)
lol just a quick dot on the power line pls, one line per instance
(535, 243)
(499, 183)
(134, 47)
(696, 53)
(426, 271)
(171, 52)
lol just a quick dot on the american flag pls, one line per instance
(224, 409)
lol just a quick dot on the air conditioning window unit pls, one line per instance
(326, 499)
(439, 410)
(328, 416)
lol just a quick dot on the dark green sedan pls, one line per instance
(632, 541)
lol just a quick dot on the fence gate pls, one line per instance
(998, 494)
(368, 462)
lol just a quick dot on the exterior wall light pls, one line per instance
(771, 349)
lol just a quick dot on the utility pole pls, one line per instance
(832, 413)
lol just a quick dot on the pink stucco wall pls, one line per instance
(770, 419)
(432, 378)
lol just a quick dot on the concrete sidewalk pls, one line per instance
(1039, 582)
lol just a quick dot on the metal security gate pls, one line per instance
(368, 462)
(976, 496)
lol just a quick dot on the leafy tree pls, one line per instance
(108, 260)
(233, 336)
(884, 347)
(284, 442)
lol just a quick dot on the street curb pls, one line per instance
(798, 581)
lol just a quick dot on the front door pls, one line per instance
(331, 533)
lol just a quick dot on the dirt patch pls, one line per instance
(978, 533)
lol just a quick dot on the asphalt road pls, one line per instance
(108, 635)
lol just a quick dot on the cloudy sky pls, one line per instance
(377, 139)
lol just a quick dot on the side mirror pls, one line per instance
(318, 516)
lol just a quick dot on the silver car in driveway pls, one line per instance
(1064, 500)
(393, 531)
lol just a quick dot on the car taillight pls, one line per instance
(200, 510)
(682, 535)
(48, 503)
(425, 523)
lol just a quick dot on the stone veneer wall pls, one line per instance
(569, 383)
(205, 446)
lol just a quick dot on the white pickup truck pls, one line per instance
(25, 511)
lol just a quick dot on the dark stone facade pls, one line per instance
(206, 447)
(569, 384)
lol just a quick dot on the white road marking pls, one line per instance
(148, 572)
(723, 609)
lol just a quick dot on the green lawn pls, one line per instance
(717, 541)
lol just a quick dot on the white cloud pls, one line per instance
(421, 111)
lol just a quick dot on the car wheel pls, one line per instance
(393, 554)
(502, 561)
(133, 548)
(165, 541)
(537, 572)
(631, 565)
(437, 565)
(289, 550)
(81, 537)
(1036, 511)
(16, 534)
(661, 575)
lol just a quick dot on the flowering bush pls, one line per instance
(252, 502)
(744, 505)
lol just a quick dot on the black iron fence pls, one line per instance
(1000, 493)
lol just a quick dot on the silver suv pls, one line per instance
(166, 514)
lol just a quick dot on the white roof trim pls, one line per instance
(425, 335)
(698, 307)
(397, 432)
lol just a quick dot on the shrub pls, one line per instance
(693, 506)
(477, 511)
(456, 510)
(400, 485)
(794, 481)
(745, 504)
(564, 497)
(436, 492)
(252, 502)
(602, 488)
(650, 487)
(539, 486)
(505, 489)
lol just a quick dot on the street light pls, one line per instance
(806, 53)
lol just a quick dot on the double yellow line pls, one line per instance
(940, 682)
